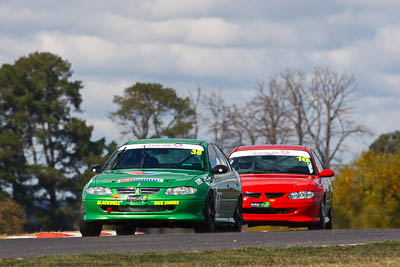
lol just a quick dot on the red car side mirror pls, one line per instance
(327, 173)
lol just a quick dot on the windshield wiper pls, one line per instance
(272, 170)
(261, 171)
(250, 171)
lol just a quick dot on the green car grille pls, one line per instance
(134, 190)
(126, 190)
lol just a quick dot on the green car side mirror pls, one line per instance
(220, 169)
(97, 168)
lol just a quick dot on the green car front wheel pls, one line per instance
(90, 228)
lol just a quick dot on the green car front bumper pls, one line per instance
(113, 211)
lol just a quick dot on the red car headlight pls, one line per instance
(302, 195)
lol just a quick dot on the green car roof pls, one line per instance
(168, 140)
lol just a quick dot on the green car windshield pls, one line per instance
(272, 161)
(157, 156)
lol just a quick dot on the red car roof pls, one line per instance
(255, 147)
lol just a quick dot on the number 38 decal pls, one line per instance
(196, 152)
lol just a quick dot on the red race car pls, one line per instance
(284, 185)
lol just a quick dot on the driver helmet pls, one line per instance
(245, 163)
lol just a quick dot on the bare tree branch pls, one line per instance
(329, 118)
(271, 109)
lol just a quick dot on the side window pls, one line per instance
(221, 158)
(212, 156)
(317, 161)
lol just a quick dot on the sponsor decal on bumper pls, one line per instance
(166, 202)
(108, 202)
(157, 180)
(260, 204)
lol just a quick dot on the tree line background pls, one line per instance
(46, 151)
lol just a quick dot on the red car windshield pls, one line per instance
(272, 161)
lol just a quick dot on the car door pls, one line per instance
(231, 186)
(218, 181)
(325, 181)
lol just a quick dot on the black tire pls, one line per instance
(208, 225)
(322, 224)
(329, 225)
(125, 229)
(238, 219)
(238, 216)
(90, 228)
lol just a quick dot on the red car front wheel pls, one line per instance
(322, 223)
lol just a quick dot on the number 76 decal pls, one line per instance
(304, 159)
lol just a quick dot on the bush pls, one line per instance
(11, 217)
(367, 192)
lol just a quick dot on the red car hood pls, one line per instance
(278, 183)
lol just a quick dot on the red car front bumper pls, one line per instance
(280, 212)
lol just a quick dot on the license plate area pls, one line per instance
(137, 200)
(261, 205)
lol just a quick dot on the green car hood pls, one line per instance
(145, 178)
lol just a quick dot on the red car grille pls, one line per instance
(252, 195)
(274, 195)
(267, 211)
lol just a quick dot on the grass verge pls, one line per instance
(372, 254)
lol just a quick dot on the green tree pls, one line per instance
(50, 149)
(387, 143)
(367, 192)
(149, 110)
(13, 129)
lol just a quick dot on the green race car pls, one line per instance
(163, 183)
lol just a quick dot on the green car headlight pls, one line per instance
(99, 190)
(302, 195)
(183, 190)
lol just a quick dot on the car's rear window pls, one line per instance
(272, 161)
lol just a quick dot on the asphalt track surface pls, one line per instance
(24, 248)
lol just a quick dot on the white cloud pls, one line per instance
(371, 3)
(379, 113)
(86, 51)
(98, 103)
(10, 15)
(338, 58)
(168, 8)
(204, 31)
(228, 44)
(106, 128)
(98, 96)
(13, 48)
(392, 83)
(212, 31)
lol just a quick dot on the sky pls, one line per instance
(228, 44)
